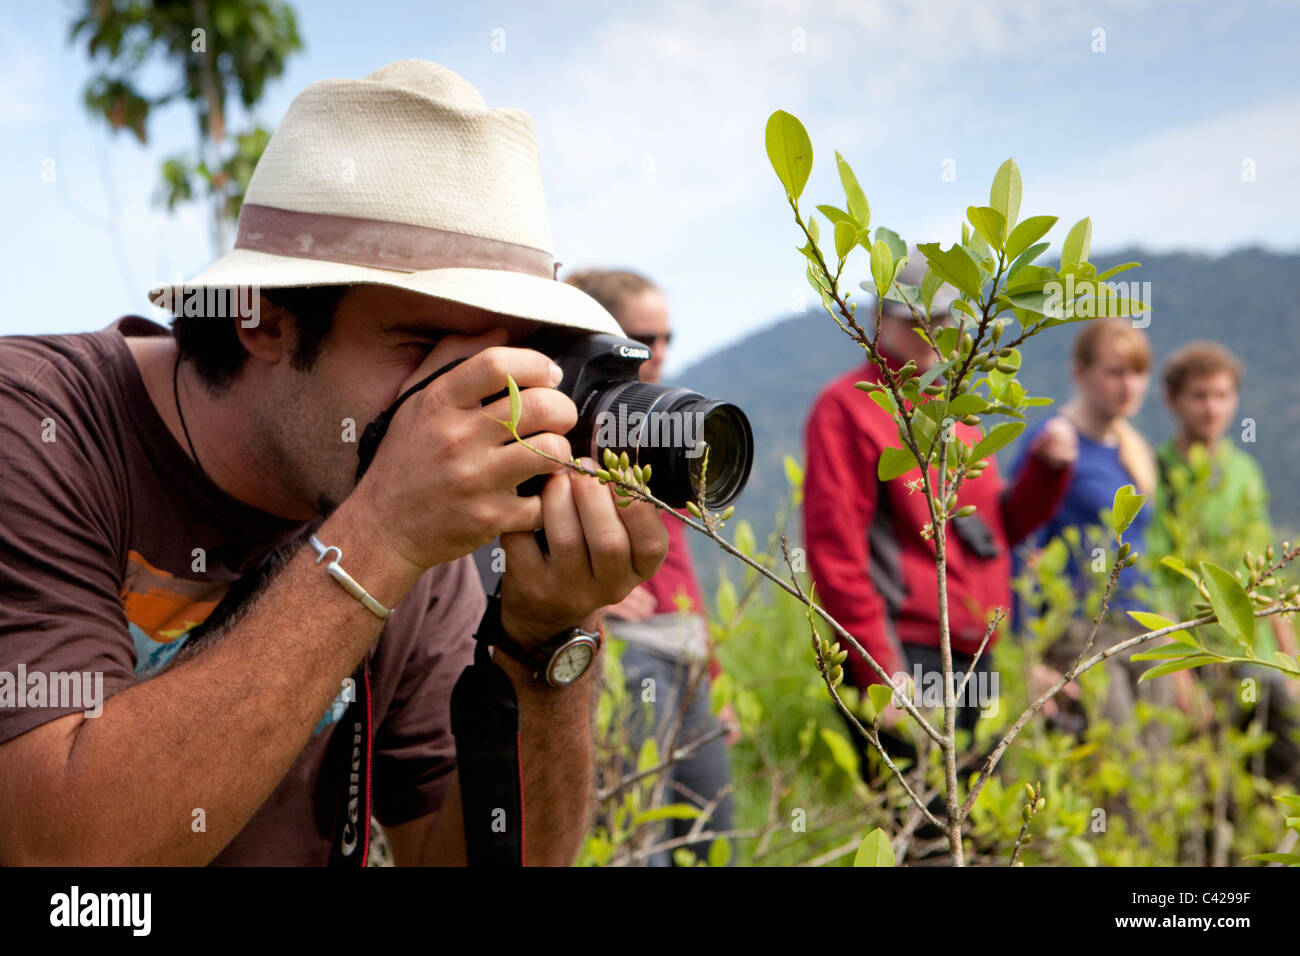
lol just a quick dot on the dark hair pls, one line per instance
(1196, 359)
(214, 348)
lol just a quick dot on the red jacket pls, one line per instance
(875, 573)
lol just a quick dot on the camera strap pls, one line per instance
(374, 432)
(484, 716)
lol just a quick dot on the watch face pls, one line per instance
(571, 661)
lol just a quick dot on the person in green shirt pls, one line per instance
(1212, 505)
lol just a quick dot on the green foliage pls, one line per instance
(213, 51)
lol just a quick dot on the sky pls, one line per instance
(1174, 125)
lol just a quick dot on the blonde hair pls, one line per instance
(1131, 345)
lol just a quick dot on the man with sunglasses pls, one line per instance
(663, 620)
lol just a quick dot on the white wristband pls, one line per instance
(345, 579)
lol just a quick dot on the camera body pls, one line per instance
(684, 436)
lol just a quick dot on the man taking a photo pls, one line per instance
(146, 475)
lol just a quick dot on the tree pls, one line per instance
(217, 48)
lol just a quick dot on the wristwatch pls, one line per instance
(559, 662)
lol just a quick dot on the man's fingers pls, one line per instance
(513, 464)
(565, 537)
(648, 536)
(541, 410)
(484, 374)
(607, 540)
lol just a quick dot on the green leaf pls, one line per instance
(720, 852)
(967, 404)
(835, 214)
(1178, 565)
(1156, 622)
(516, 405)
(1286, 662)
(857, 199)
(721, 692)
(648, 758)
(1077, 244)
(1027, 233)
(1231, 604)
(875, 850)
(842, 752)
(895, 462)
(929, 286)
(744, 541)
(997, 439)
(882, 266)
(897, 247)
(1186, 663)
(1163, 652)
(789, 151)
(673, 811)
(880, 697)
(989, 223)
(1291, 858)
(1024, 259)
(726, 601)
(1004, 196)
(1116, 270)
(1124, 509)
(846, 237)
(955, 266)
(793, 471)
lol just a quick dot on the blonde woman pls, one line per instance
(1111, 369)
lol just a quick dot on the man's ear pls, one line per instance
(272, 336)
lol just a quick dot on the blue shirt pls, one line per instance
(1098, 474)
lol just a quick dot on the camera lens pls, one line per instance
(673, 430)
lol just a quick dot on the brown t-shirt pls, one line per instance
(102, 515)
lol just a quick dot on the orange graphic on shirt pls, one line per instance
(162, 605)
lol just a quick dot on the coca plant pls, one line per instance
(1005, 297)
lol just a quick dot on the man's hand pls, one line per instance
(598, 553)
(443, 481)
(637, 606)
(1058, 442)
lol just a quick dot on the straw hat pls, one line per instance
(405, 179)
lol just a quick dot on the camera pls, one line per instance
(674, 430)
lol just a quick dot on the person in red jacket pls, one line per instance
(663, 620)
(874, 571)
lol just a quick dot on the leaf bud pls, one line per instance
(1006, 368)
(693, 508)
(624, 462)
(731, 510)
(611, 460)
(1040, 803)
(1029, 792)
(963, 512)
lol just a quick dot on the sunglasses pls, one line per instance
(650, 340)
